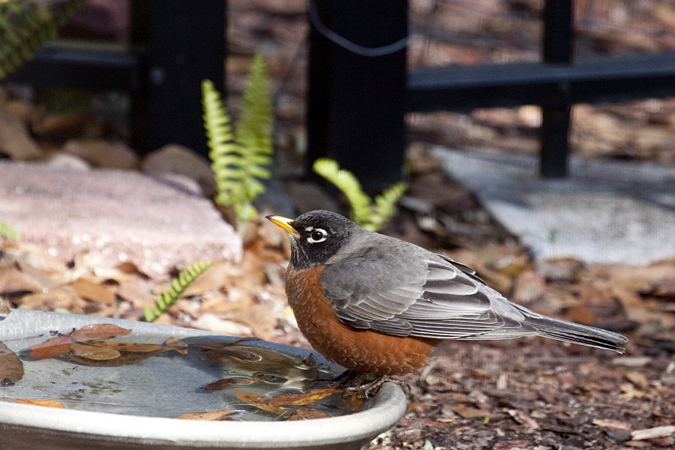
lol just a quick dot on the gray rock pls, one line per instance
(115, 216)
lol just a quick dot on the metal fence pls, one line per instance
(360, 88)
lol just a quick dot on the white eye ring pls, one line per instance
(316, 235)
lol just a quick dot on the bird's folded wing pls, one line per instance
(435, 300)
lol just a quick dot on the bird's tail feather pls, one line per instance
(577, 334)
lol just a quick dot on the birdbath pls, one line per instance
(126, 389)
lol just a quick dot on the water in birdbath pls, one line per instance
(104, 368)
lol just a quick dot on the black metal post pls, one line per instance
(186, 44)
(356, 103)
(557, 49)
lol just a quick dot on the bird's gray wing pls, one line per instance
(434, 299)
(441, 299)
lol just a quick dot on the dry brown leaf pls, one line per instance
(259, 402)
(176, 345)
(96, 353)
(128, 346)
(213, 279)
(93, 291)
(13, 280)
(307, 413)
(224, 383)
(11, 367)
(47, 403)
(61, 344)
(60, 298)
(53, 347)
(469, 413)
(637, 378)
(99, 331)
(302, 399)
(523, 419)
(260, 318)
(211, 415)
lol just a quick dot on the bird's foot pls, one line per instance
(370, 388)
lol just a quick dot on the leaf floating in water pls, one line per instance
(88, 346)
(47, 403)
(128, 346)
(302, 399)
(61, 344)
(50, 348)
(259, 402)
(307, 413)
(98, 331)
(176, 345)
(97, 353)
(224, 383)
(211, 415)
(11, 367)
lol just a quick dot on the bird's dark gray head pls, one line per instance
(316, 236)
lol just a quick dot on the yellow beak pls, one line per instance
(284, 223)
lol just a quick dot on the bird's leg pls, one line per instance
(371, 387)
(346, 378)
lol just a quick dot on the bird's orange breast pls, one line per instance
(358, 350)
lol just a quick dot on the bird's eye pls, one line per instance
(317, 235)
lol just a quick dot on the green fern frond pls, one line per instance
(169, 297)
(9, 232)
(348, 185)
(239, 159)
(385, 205)
(26, 26)
(369, 215)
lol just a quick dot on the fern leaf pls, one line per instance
(254, 128)
(27, 26)
(223, 151)
(385, 206)
(239, 159)
(9, 232)
(347, 183)
(169, 297)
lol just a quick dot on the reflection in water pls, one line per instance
(168, 379)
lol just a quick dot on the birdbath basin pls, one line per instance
(125, 391)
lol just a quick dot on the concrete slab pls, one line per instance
(605, 212)
(155, 222)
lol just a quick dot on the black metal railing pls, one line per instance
(175, 44)
(357, 103)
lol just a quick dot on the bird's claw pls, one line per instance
(371, 388)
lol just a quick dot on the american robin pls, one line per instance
(376, 304)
